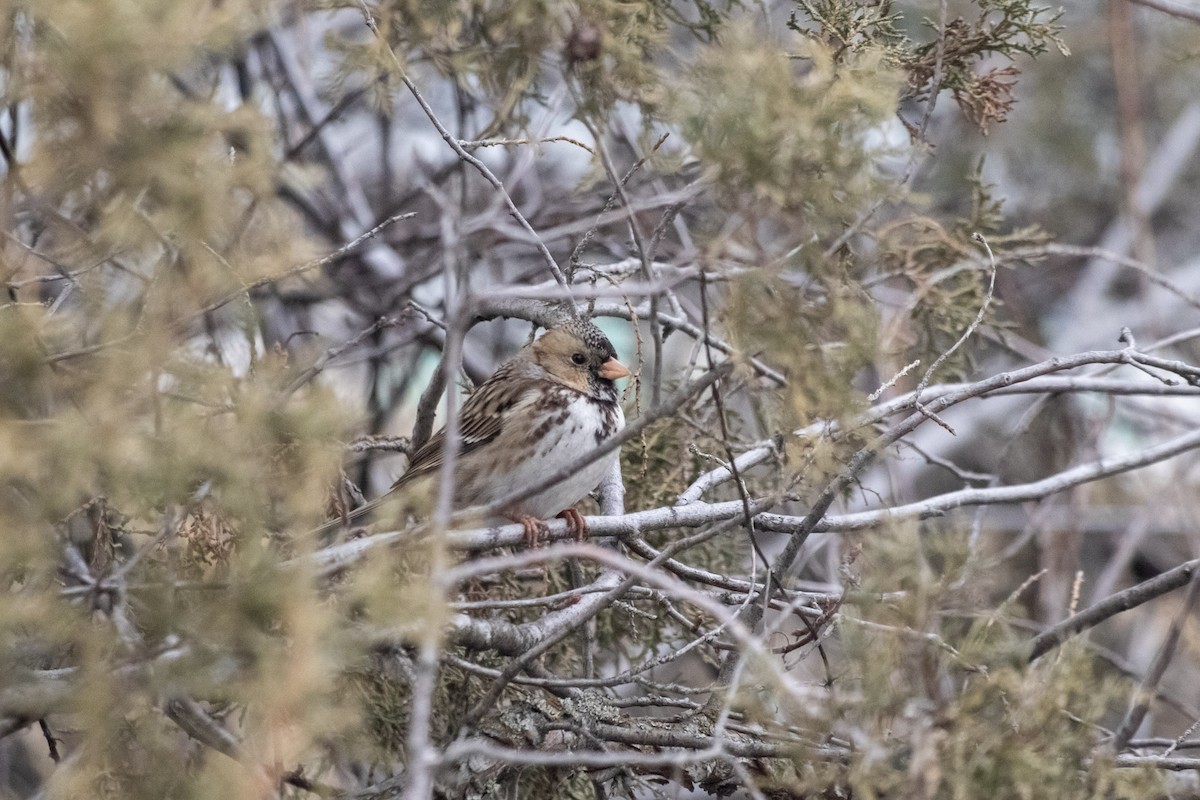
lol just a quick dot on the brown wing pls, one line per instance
(480, 421)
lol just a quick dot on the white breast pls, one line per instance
(564, 444)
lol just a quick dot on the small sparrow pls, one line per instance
(551, 403)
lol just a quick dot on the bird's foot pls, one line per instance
(575, 523)
(535, 529)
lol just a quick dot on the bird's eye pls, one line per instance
(579, 358)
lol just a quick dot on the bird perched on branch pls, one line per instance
(542, 410)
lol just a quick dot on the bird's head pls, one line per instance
(578, 354)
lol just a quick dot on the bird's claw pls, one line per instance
(576, 525)
(535, 529)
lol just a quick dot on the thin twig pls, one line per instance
(1146, 691)
(1124, 600)
(975, 323)
(329, 355)
(458, 149)
(1174, 9)
(302, 268)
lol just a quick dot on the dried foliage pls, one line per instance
(250, 247)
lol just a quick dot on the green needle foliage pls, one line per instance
(182, 387)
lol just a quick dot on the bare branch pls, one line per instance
(1111, 606)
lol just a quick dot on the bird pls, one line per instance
(541, 410)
